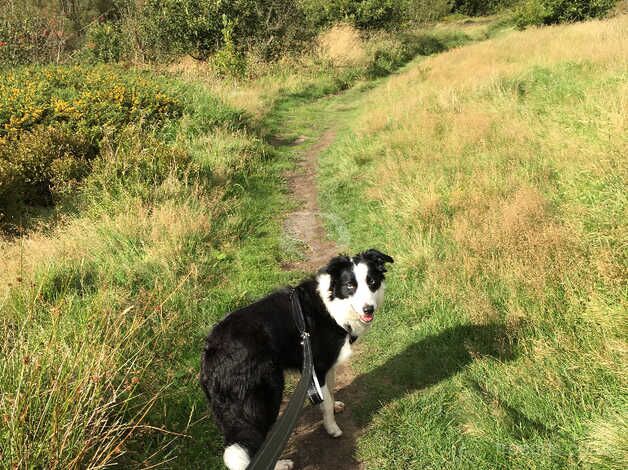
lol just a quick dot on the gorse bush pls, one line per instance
(537, 12)
(94, 365)
(53, 120)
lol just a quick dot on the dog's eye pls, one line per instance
(350, 285)
(370, 282)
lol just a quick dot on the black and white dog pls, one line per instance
(245, 355)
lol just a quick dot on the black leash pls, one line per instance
(308, 387)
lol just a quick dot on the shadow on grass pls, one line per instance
(419, 366)
(427, 362)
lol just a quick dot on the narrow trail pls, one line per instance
(310, 447)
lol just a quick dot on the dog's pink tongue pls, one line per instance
(366, 317)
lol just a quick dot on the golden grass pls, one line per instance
(343, 46)
(258, 91)
(606, 443)
(163, 229)
(460, 114)
(444, 79)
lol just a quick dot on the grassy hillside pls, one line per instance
(495, 174)
(107, 297)
(136, 208)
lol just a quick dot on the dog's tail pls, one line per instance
(243, 441)
(236, 457)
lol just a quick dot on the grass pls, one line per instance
(104, 313)
(500, 193)
(341, 58)
(495, 175)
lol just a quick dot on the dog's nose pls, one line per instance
(369, 309)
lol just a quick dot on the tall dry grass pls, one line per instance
(343, 46)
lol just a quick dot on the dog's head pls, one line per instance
(352, 288)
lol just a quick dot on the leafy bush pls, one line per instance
(421, 11)
(535, 12)
(481, 7)
(365, 14)
(228, 60)
(27, 37)
(53, 120)
(104, 42)
(197, 27)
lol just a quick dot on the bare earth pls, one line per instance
(310, 447)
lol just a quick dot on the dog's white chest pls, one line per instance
(345, 352)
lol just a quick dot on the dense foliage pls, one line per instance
(538, 12)
(159, 30)
(54, 119)
(481, 7)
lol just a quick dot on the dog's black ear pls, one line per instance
(337, 264)
(378, 258)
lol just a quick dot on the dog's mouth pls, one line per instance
(366, 317)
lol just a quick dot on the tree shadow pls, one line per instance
(419, 366)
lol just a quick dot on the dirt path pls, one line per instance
(310, 447)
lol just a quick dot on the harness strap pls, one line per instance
(349, 330)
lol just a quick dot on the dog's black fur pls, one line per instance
(246, 354)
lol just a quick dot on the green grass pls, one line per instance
(103, 319)
(502, 201)
(501, 344)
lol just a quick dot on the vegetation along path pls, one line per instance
(494, 173)
(499, 344)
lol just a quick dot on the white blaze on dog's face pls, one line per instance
(352, 289)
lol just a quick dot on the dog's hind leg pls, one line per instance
(245, 423)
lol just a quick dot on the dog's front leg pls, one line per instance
(330, 380)
(328, 405)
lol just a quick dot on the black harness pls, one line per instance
(308, 387)
(349, 330)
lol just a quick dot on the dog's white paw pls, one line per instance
(333, 430)
(339, 407)
(284, 465)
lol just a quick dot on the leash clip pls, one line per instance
(304, 336)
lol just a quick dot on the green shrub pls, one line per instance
(481, 7)
(54, 119)
(421, 11)
(27, 37)
(536, 12)
(172, 27)
(228, 60)
(104, 43)
(364, 14)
